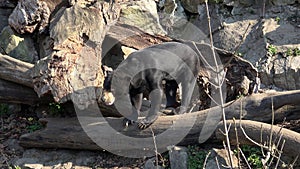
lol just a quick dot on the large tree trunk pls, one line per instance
(70, 132)
(75, 63)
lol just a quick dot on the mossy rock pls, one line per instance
(17, 46)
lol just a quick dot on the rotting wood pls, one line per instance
(75, 62)
(133, 37)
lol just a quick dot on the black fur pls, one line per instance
(181, 64)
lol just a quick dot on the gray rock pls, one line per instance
(172, 17)
(150, 164)
(4, 14)
(142, 14)
(247, 3)
(45, 46)
(18, 46)
(7, 4)
(178, 157)
(57, 158)
(283, 2)
(280, 71)
(222, 159)
(27, 161)
(13, 145)
(191, 5)
(29, 15)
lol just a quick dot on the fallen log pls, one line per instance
(14, 70)
(260, 134)
(133, 37)
(15, 93)
(71, 133)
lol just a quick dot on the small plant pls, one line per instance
(297, 52)
(293, 52)
(33, 125)
(3, 109)
(277, 19)
(253, 155)
(55, 109)
(272, 50)
(196, 157)
(216, 1)
(289, 52)
(15, 167)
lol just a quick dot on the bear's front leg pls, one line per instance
(136, 101)
(155, 98)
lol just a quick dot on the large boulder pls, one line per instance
(142, 14)
(172, 17)
(191, 5)
(29, 15)
(219, 157)
(18, 46)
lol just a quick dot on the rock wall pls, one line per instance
(267, 33)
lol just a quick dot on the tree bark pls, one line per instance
(14, 70)
(15, 93)
(133, 37)
(260, 133)
(75, 63)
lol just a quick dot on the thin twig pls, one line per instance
(236, 49)
(217, 161)
(294, 162)
(272, 124)
(206, 158)
(252, 141)
(4, 52)
(279, 155)
(155, 147)
(219, 87)
(261, 141)
(237, 144)
(243, 155)
(203, 58)
(279, 132)
(5, 158)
